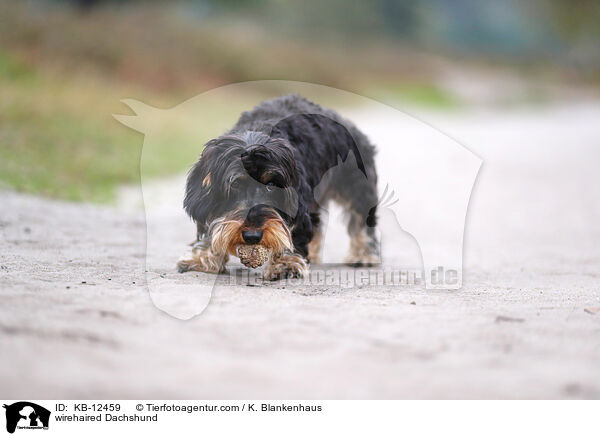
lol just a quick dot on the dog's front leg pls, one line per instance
(204, 259)
(285, 265)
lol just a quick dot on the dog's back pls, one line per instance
(308, 125)
(268, 113)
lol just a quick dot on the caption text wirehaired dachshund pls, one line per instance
(262, 183)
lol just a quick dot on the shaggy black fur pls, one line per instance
(286, 144)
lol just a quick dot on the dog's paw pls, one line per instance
(363, 259)
(286, 266)
(364, 249)
(184, 265)
(203, 261)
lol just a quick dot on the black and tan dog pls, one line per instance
(255, 185)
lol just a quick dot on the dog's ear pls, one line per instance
(281, 156)
(198, 192)
(289, 163)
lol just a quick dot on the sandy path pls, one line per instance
(76, 319)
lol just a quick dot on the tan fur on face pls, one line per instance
(276, 236)
(227, 235)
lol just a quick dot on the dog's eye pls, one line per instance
(270, 186)
(235, 185)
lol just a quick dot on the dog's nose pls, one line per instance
(252, 236)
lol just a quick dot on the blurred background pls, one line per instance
(65, 65)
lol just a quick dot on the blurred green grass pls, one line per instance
(417, 93)
(58, 139)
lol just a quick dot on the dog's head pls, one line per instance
(242, 191)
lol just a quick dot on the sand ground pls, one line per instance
(76, 320)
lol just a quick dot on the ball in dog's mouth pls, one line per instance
(252, 256)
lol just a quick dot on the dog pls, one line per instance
(256, 185)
